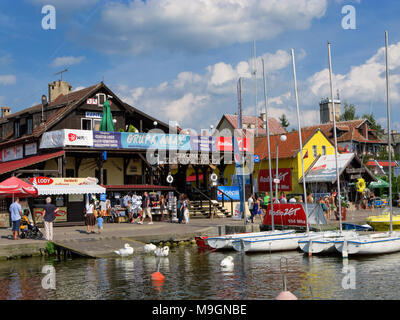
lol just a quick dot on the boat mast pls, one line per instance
(335, 135)
(389, 134)
(255, 86)
(300, 140)
(269, 149)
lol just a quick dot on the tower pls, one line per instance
(326, 110)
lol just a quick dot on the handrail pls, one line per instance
(201, 200)
(223, 202)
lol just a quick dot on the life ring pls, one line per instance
(360, 185)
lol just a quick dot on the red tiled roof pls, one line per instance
(352, 131)
(274, 125)
(287, 149)
(26, 162)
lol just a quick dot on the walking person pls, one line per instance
(186, 204)
(16, 211)
(250, 203)
(257, 209)
(100, 222)
(162, 207)
(146, 208)
(180, 208)
(49, 215)
(90, 219)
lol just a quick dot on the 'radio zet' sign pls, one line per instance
(284, 176)
(286, 215)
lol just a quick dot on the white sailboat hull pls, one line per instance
(270, 244)
(325, 242)
(370, 244)
(225, 242)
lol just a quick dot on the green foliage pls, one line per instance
(120, 130)
(50, 247)
(284, 121)
(131, 128)
(374, 125)
(349, 112)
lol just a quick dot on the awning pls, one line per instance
(71, 189)
(324, 170)
(379, 184)
(26, 162)
(138, 187)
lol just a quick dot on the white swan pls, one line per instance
(162, 252)
(147, 248)
(126, 251)
(227, 262)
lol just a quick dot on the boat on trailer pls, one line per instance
(226, 242)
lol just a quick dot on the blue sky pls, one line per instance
(180, 59)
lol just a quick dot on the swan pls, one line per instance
(126, 251)
(227, 262)
(162, 252)
(147, 248)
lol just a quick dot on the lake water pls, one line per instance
(190, 274)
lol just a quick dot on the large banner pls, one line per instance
(66, 137)
(286, 215)
(225, 144)
(105, 139)
(232, 192)
(203, 143)
(155, 141)
(284, 175)
(12, 153)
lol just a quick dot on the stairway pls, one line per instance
(201, 210)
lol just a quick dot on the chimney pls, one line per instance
(263, 116)
(5, 111)
(57, 88)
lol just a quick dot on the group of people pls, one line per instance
(48, 216)
(328, 205)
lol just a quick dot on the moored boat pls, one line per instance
(325, 242)
(270, 244)
(225, 242)
(382, 222)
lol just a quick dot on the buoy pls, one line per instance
(157, 276)
(286, 295)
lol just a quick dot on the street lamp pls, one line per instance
(155, 123)
(283, 138)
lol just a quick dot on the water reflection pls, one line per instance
(190, 274)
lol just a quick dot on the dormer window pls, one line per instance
(101, 98)
(17, 131)
(29, 126)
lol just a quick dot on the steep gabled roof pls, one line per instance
(274, 125)
(287, 149)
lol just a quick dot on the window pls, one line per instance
(17, 132)
(86, 124)
(29, 126)
(96, 124)
(315, 153)
(101, 98)
(324, 150)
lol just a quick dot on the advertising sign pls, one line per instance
(203, 143)
(232, 192)
(61, 214)
(284, 176)
(63, 181)
(225, 144)
(66, 137)
(12, 153)
(30, 149)
(93, 114)
(325, 168)
(158, 141)
(105, 139)
(286, 214)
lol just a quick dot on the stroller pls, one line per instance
(28, 230)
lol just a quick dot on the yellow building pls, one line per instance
(315, 143)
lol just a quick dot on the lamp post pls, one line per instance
(283, 138)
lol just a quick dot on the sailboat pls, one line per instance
(382, 242)
(284, 242)
(324, 242)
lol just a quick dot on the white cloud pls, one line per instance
(8, 79)
(67, 61)
(139, 26)
(65, 4)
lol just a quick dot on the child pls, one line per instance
(100, 221)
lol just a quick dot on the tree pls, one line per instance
(284, 121)
(349, 112)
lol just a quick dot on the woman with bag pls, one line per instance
(90, 219)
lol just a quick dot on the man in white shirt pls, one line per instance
(250, 203)
(292, 200)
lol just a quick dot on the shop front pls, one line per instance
(68, 194)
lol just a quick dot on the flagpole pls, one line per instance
(269, 150)
(300, 140)
(389, 134)
(255, 86)
(335, 135)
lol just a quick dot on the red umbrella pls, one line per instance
(17, 188)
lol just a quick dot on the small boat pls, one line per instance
(324, 242)
(369, 244)
(283, 242)
(201, 242)
(357, 227)
(225, 242)
(382, 222)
